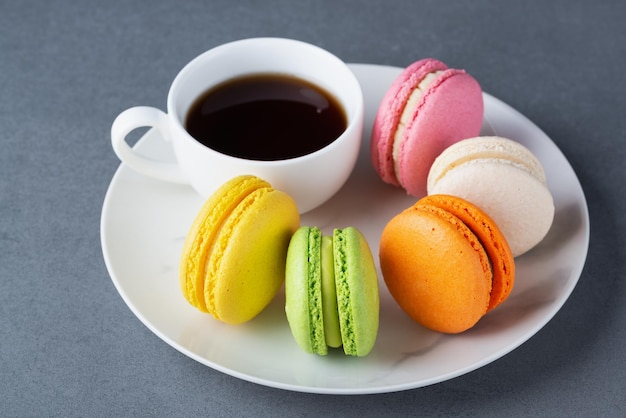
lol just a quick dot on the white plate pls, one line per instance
(144, 222)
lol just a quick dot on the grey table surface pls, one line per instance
(69, 346)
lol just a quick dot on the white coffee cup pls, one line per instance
(310, 179)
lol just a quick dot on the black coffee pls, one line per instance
(266, 117)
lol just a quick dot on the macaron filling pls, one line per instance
(408, 115)
(332, 332)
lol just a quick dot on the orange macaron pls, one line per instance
(446, 263)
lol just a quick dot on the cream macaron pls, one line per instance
(504, 179)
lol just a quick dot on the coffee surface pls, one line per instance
(266, 117)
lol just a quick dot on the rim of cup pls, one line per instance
(353, 106)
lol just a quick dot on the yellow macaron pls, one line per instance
(233, 259)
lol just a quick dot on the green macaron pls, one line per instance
(331, 289)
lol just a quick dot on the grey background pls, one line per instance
(69, 346)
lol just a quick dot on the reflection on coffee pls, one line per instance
(266, 117)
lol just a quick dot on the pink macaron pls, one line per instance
(427, 108)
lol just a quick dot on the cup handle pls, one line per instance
(137, 117)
